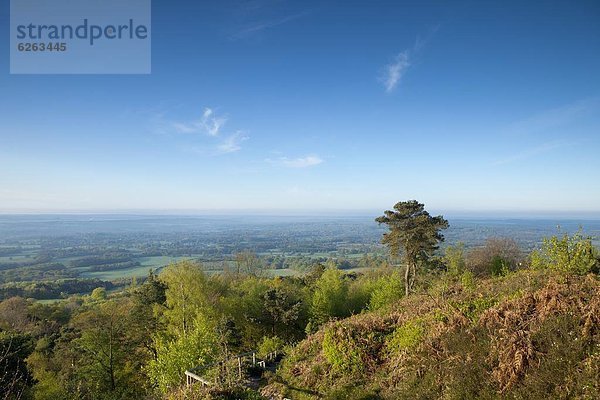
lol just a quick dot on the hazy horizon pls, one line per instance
(453, 214)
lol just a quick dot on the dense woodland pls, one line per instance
(490, 321)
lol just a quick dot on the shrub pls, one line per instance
(472, 309)
(496, 252)
(406, 337)
(342, 350)
(388, 290)
(568, 254)
(454, 258)
(330, 297)
(269, 345)
(174, 356)
(500, 266)
(467, 280)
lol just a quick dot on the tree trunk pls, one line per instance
(413, 276)
(407, 280)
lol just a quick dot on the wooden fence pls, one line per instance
(194, 374)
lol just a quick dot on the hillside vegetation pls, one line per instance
(531, 334)
(488, 322)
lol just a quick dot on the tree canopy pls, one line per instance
(413, 233)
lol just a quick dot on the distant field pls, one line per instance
(283, 272)
(361, 269)
(14, 258)
(24, 254)
(147, 263)
(49, 301)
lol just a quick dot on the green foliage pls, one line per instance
(454, 258)
(499, 266)
(342, 350)
(187, 295)
(522, 336)
(567, 254)
(406, 337)
(387, 290)
(280, 309)
(152, 291)
(264, 307)
(175, 355)
(247, 262)
(269, 345)
(414, 232)
(192, 336)
(329, 298)
(49, 386)
(136, 343)
(98, 294)
(473, 308)
(59, 288)
(467, 280)
(244, 303)
(103, 347)
(360, 289)
(15, 379)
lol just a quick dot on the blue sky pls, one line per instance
(311, 106)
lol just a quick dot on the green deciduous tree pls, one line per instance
(198, 346)
(98, 294)
(14, 375)
(454, 258)
(569, 254)
(414, 233)
(247, 262)
(104, 348)
(14, 315)
(187, 295)
(387, 290)
(190, 337)
(270, 345)
(329, 298)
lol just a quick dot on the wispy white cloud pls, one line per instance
(263, 25)
(185, 128)
(393, 72)
(532, 152)
(209, 124)
(205, 135)
(299, 162)
(232, 143)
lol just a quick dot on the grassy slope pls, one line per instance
(529, 335)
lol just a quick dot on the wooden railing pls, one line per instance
(194, 374)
